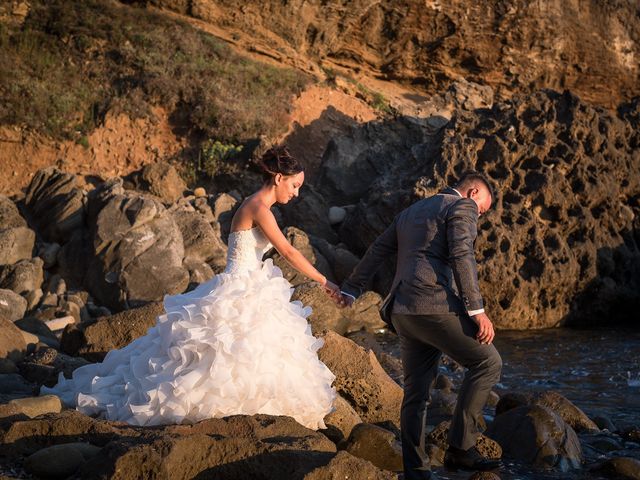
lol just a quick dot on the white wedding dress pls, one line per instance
(234, 345)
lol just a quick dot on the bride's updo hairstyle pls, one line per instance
(278, 160)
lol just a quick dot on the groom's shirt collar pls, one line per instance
(456, 191)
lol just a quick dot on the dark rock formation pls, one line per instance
(55, 204)
(537, 436)
(563, 229)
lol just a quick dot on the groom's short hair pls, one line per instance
(472, 177)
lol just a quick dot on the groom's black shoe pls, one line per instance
(472, 459)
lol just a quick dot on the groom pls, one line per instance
(435, 306)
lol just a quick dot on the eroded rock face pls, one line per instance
(361, 380)
(510, 46)
(561, 243)
(55, 203)
(137, 252)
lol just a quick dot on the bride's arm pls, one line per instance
(267, 223)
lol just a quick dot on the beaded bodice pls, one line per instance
(245, 250)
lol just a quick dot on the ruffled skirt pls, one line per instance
(234, 345)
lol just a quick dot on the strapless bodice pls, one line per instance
(246, 249)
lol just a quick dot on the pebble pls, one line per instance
(337, 215)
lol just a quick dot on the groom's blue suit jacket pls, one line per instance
(436, 270)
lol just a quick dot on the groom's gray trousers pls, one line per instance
(423, 338)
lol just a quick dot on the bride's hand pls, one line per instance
(332, 290)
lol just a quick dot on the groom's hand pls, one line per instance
(486, 332)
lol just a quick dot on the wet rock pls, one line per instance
(12, 305)
(22, 277)
(200, 240)
(343, 419)
(437, 439)
(621, 468)
(35, 406)
(162, 180)
(553, 400)
(93, 341)
(361, 380)
(536, 435)
(60, 461)
(12, 344)
(55, 203)
(375, 444)
(137, 253)
(345, 466)
(604, 423)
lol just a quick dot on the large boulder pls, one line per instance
(163, 181)
(16, 238)
(537, 436)
(300, 240)
(24, 277)
(325, 315)
(361, 380)
(55, 203)
(201, 242)
(137, 252)
(341, 421)
(375, 444)
(95, 340)
(310, 212)
(570, 413)
(12, 305)
(344, 466)
(12, 343)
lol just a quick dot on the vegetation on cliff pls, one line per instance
(71, 62)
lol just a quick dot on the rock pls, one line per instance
(163, 181)
(12, 383)
(442, 382)
(336, 215)
(33, 298)
(45, 364)
(10, 215)
(536, 435)
(60, 461)
(343, 419)
(375, 444)
(361, 380)
(341, 260)
(22, 277)
(310, 213)
(7, 366)
(27, 436)
(12, 344)
(137, 253)
(55, 203)
(346, 466)
(12, 305)
(224, 206)
(301, 242)
(442, 404)
(553, 400)
(34, 406)
(325, 315)
(93, 341)
(390, 364)
(365, 313)
(73, 259)
(59, 323)
(604, 423)
(200, 192)
(199, 272)
(35, 326)
(484, 476)
(16, 244)
(48, 252)
(199, 238)
(621, 468)
(533, 148)
(437, 438)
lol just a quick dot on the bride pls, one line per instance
(234, 345)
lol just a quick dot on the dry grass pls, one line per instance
(73, 61)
